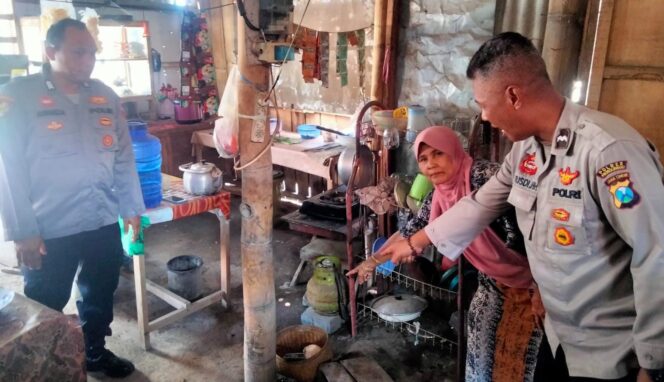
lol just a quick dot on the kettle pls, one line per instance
(201, 178)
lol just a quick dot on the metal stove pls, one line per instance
(330, 205)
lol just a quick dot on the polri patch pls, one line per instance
(528, 165)
(611, 168)
(567, 176)
(105, 121)
(562, 236)
(560, 214)
(622, 190)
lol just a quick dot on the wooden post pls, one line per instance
(378, 52)
(562, 42)
(256, 209)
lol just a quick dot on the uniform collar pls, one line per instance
(563, 137)
(48, 79)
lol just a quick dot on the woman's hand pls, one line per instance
(364, 271)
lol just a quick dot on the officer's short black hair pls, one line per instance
(508, 51)
(56, 33)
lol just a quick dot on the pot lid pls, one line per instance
(399, 304)
(201, 167)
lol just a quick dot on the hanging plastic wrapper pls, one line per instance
(226, 128)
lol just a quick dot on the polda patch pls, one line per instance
(622, 190)
(612, 168)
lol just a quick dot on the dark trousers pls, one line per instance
(99, 255)
(552, 368)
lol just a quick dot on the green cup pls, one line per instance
(420, 188)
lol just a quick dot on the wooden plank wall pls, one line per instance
(290, 119)
(633, 76)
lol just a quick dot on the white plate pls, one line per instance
(6, 296)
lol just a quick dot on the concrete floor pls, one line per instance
(208, 346)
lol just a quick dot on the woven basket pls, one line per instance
(292, 340)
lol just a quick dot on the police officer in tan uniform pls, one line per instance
(67, 172)
(590, 203)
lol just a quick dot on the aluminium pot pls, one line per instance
(201, 178)
(364, 176)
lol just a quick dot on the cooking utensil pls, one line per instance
(364, 176)
(401, 189)
(187, 111)
(399, 307)
(201, 178)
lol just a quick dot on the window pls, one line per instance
(8, 40)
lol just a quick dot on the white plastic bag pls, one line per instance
(226, 128)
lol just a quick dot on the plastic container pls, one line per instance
(308, 131)
(147, 151)
(184, 276)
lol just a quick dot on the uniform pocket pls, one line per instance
(565, 231)
(58, 144)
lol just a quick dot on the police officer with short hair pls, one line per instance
(588, 193)
(67, 172)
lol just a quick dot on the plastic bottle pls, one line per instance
(147, 151)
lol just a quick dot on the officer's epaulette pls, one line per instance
(604, 129)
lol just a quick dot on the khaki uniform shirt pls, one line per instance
(65, 167)
(592, 215)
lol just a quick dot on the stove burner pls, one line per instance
(335, 197)
(330, 205)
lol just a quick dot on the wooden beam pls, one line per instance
(260, 324)
(600, 47)
(642, 73)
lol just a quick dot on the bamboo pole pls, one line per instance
(378, 52)
(562, 42)
(256, 212)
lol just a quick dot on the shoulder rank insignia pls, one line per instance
(563, 138)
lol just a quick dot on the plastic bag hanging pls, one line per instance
(226, 128)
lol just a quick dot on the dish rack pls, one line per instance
(367, 315)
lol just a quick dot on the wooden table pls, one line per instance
(218, 204)
(319, 163)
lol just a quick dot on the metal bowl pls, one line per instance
(364, 176)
